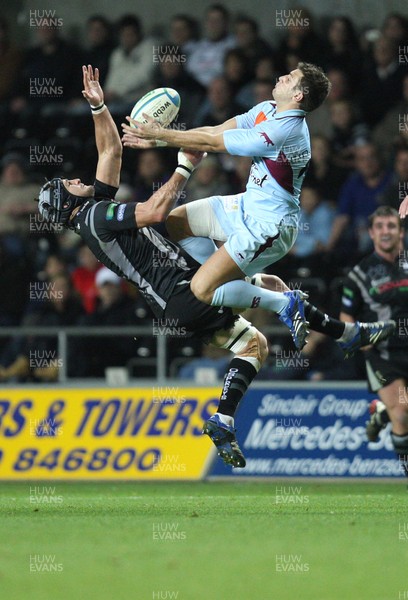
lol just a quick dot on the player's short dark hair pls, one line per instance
(315, 86)
(383, 211)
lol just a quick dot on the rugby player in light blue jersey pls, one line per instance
(258, 226)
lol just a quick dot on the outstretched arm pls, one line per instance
(130, 140)
(204, 139)
(158, 206)
(106, 133)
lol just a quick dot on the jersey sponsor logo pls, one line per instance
(259, 181)
(267, 139)
(110, 212)
(121, 212)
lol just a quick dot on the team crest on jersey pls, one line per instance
(267, 139)
(378, 273)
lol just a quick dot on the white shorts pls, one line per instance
(252, 245)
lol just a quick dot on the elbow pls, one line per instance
(216, 146)
(116, 152)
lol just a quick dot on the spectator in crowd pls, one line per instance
(48, 80)
(16, 271)
(236, 70)
(183, 34)
(211, 365)
(83, 278)
(54, 265)
(99, 44)
(397, 189)
(125, 193)
(393, 128)
(359, 197)
(206, 59)
(382, 78)
(171, 73)
(395, 28)
(239, 173)
(301, 42)
(322, 173)
(320, 360)
(347, 133)
(343, 51)
(249, 42)
(209, 179)
(319, 120)
(10, 60)
(131, 67)
(37, 357)
(114, 308)
(220, 104)
(260, 88)
(16, 199)
(315, 223)
(151, 173)
(266, 68)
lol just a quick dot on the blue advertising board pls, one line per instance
(302, 431)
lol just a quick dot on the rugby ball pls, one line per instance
(161, 104)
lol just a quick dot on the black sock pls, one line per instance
(400, 443)
(236, 382)
(323, 323)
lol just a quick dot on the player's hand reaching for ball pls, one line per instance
(149, 131)
(92, 91)
(403, 209)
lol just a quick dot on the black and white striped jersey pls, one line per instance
(152, 263)
(376, 289)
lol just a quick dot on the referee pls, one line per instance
(377, 288)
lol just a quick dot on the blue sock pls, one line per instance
(240, 294)
(200, 248)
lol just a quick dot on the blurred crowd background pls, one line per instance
(221, 66)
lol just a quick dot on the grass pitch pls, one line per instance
(210, 541)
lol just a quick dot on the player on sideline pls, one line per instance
(259, 226)
(120, 237)
(377, 288)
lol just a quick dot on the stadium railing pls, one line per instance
(64, 333)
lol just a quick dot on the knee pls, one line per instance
(263, 347)
(256, 348)
(399, 416)
(201, 291)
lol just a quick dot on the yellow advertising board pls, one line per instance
(127, 433)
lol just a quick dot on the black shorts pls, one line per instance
(198, 319)
(382, 372)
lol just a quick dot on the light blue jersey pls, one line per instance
(280, 148)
